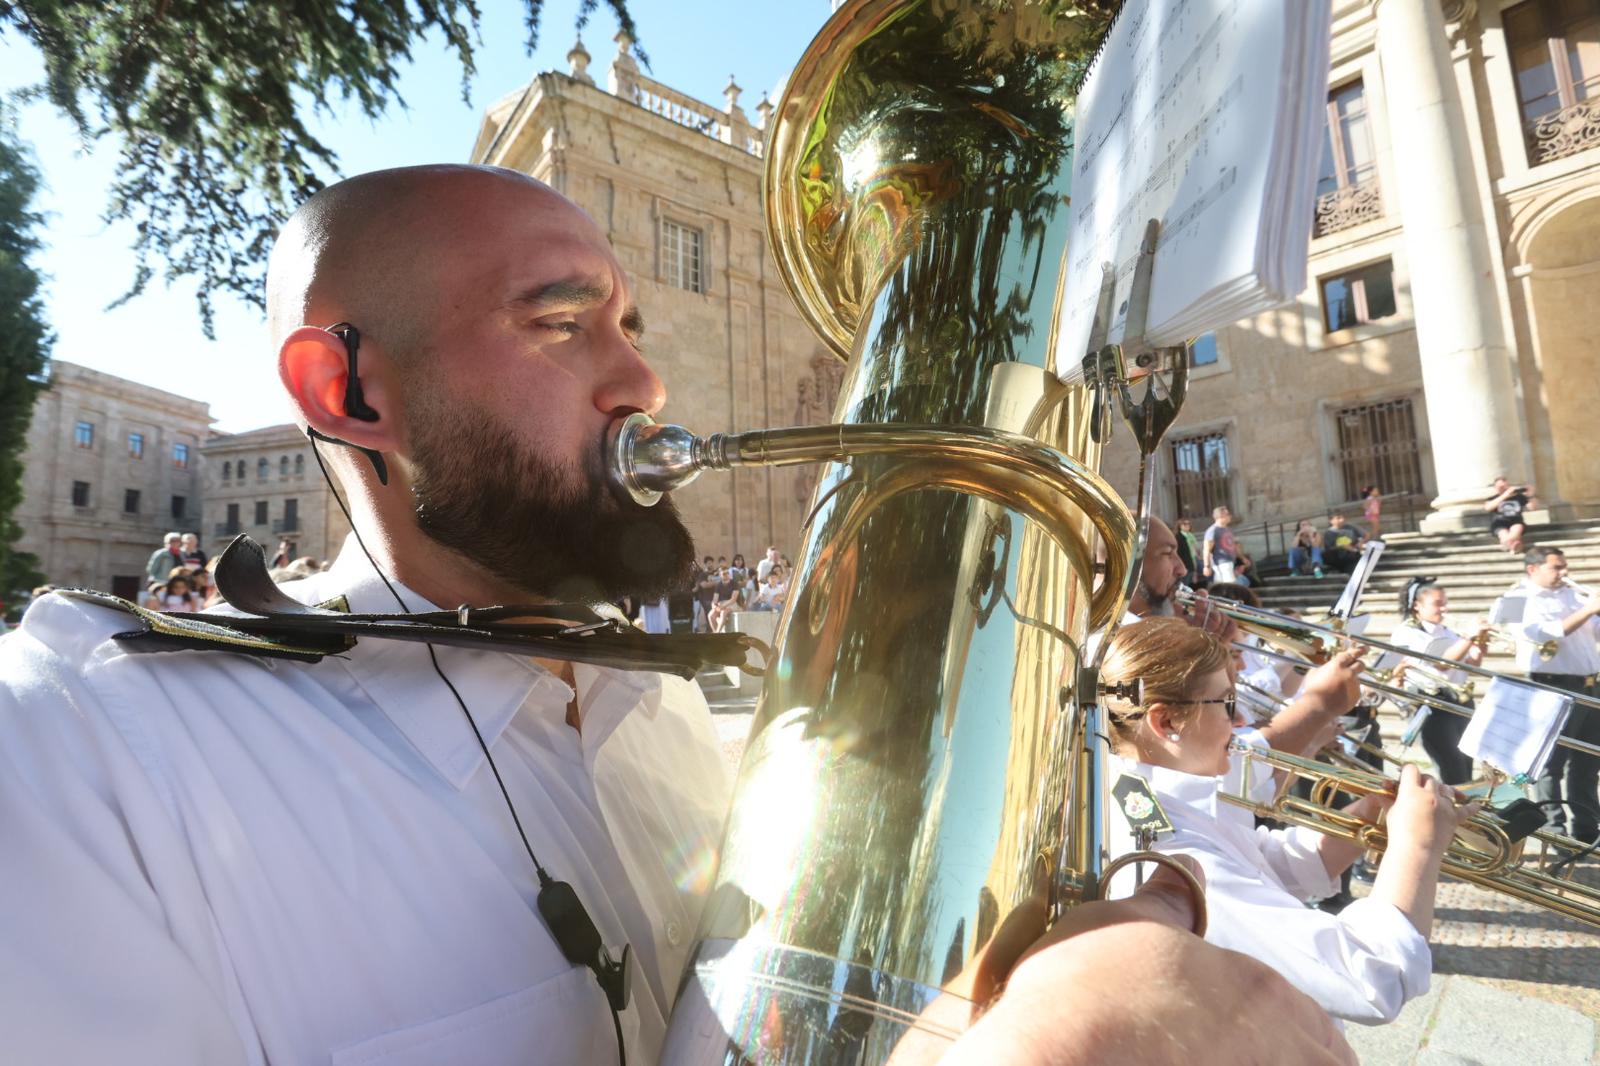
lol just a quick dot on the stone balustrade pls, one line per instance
(1346, 207)
(1565, 132)
(728, 125)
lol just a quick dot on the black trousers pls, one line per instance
(1571, 776)
(1441, 739)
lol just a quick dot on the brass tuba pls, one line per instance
(921, 779)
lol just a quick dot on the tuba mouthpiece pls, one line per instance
(645, 460)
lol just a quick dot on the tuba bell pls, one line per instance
(921, 780)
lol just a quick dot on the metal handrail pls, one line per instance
(1403, 513)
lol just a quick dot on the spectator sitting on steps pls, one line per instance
(1341, 544)
(1307, 547)
(1508, 504)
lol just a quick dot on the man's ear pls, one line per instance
(314, 367)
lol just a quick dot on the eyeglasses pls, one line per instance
(1230, 704)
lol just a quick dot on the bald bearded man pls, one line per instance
(219, 859)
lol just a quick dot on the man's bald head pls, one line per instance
(371, 250)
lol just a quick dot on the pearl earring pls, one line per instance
(1172, 736)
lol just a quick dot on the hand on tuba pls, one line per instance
(1168, 981)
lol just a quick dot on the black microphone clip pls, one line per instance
(580, 942)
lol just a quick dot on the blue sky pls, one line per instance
(156, 339)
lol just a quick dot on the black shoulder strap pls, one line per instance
(155, 631)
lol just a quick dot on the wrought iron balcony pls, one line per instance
(1346, 207)
(1568, 131)
(228, 529)
(286, 525)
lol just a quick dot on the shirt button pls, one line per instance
(674, 932)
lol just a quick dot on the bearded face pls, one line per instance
(551, 529)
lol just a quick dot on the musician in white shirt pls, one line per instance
(1555, 611)
(219, 860)
(1362, 964)
(1422, 608)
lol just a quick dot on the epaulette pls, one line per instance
(171, 632)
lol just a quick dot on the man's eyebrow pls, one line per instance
(633, 322)
(578, 292)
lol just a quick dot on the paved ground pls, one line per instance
(1513, 985)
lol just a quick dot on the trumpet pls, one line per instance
(1489, 850)
(1494, 637)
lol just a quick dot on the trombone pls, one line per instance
(1315, 644)
(1488, 850)
(1433, 689)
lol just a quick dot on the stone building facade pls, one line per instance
(265, 483)
(110, 466)
(675, 184)
(1445, 334)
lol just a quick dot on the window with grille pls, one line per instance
(1378, 446)
(180, 506)
(136, 445)
(1202, 475)
(1359, 296)
(1555, 55)
(80, 494)
(130, 501)
(682, 263)
(83, 435)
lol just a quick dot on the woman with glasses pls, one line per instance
(1170, 706)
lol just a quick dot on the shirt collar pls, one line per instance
(1175, 786)
(400, 679)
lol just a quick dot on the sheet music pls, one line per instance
(1357, 583)
(1507, 610)
(1186, 118)
(1515, 727)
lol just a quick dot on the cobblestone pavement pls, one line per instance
(1513, 983)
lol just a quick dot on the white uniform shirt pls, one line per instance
(213, 859)
(1541, 621)
(1362, 964)
(1418, 635)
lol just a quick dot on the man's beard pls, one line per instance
(1159, 604)
(550, 531)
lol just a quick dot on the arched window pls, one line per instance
(227, 471)
(238, 470)
(261, 468)
(299, 464)
(283, 466)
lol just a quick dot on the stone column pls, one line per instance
(1473, 414)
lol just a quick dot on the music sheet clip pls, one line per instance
(1515, 727)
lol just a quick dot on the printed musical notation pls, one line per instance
(1515, 727)
(1198, 113)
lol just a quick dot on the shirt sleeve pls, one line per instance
(110, 950)
(1361, 965)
